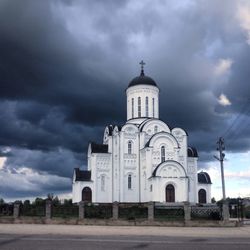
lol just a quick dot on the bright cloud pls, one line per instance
(2, 161)
(223, 100)
(243, 15)
(223, 66)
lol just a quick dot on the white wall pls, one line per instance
(142, 91)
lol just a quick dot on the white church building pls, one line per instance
(143, 160)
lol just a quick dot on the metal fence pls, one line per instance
(65, 211)
(6, 209)
(132, 211)
(206, 213)
(32, 210)
(164, 212)
(98, 210)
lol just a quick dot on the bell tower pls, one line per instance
(142, 97)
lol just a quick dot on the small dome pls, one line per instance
(142, 80)
(204, 178)
(192, 152)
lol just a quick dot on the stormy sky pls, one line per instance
(64, 66)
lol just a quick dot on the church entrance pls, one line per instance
(202, 195)
(170, 193)
(87, 194)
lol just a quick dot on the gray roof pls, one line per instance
(82, 175)
(204, 178)
(192, 152)
(142, 80)
(99, 148)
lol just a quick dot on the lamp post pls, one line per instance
(220, 148)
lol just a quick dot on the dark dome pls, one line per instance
(204, 178)
(142, 80)
(192, 152)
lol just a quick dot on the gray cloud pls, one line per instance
(64, 66)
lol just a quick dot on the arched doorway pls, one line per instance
(202, 196)
(170, 193)
(87, 194)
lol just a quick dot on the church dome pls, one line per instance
(142, 80)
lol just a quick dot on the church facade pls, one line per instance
(143, 160)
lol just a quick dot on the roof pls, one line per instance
(192, 152)
(142, 80)
(204, 178)
(82, 175)
(167, 161)
(110, 128)
(99, 148)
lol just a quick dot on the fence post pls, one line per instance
(16, 211)
(187, 211)
(81, 210)
(115, 210)
(151, 210)
(48, 209)
(225, 211)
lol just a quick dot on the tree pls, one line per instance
(1, 201)
(26, 203)
(213, 200)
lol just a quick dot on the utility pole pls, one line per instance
(220, 148)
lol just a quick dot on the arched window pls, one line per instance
(103, 183)
(132, 107)
(202, 195)
(129, 147)
(139, 106)
(162, 153)
(129, 181)
(146, 106)
(170, 193)
(153, 107)
(156, 129)
(87, 194)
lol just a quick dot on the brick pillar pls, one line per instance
(81, 210)
(225, 211)
(151, 210)
(48, 209)
(187, 211)
(115, 210)
(16, 211)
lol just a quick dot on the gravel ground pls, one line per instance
(35, 229)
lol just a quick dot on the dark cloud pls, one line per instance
(64, 66)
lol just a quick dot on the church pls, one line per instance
(143, 160)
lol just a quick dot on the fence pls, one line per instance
(32, 210)
(133, 211)
(99, 211)
(162, 212)
(206, 213)
(6, 209)
(116, 211)
(65, 211)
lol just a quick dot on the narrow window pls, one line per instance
(129, 147)
(129, 181)
(156, 129)
(139, 106)
(162, 154)
(153, 107)
(151, 188)
(146, 106)
(103, 183)
(132, 107)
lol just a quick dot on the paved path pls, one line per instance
(37, 229)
